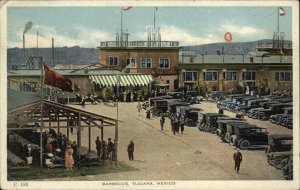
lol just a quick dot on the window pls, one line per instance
(283, 76)
(210, 76)
(164, 63)
(146, 63)
(130, 61)
(249, 75)
(113, 61)
(230, 75)
(190, 76)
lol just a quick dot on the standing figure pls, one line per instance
(237, 157)
(139, 107)
(173, 126)
(148, 114)
(69, 158)
(104, 151)
(98, 146)
(74, 147)
(49, 145)
(162, 122)
(83, 101)
(181, 127)
(131, 96)
(110, 149)
(130, 150)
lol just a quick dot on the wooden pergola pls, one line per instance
(57, 116)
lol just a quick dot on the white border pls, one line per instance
(251, 184)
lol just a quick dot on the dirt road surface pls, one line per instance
(194, 155)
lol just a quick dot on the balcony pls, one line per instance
(143, 44)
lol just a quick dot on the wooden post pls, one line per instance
(116, 140)
(68, 121)
(101, 131)
(58, 130)
(89, 135)
(79, 130)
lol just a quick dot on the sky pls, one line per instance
(88, 26)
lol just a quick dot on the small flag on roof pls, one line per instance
(126, 8)
(281, 11)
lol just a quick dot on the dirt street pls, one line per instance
(195, 155)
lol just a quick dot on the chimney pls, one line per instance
(52, 51)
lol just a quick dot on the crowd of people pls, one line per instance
(105, 150)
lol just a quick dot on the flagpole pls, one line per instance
(42, 123)
(154, 17)
(121, 27)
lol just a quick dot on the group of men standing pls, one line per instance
(105, 150)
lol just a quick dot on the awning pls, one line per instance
(124, 80)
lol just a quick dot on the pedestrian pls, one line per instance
(69, 158)
(148, 114)
(74, 147)
(110, 149)
(98, 146)
(162, 122)
(130, 150)
(83, 101)
(139, 107)
(124, 96)
(114, 152)
(173, 126)
(131, 96)
(181, 127)
(104, 151)
(237, 157)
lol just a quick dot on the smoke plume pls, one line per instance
(27, 27)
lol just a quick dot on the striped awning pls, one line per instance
(124, 80)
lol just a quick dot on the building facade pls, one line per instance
(227, 72)
(160, 59)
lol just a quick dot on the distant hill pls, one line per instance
(65, 55)
(81, 56)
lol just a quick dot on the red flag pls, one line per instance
(126, 8)
(57, 80)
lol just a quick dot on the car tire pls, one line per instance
(227, 137)
(244, 144)
(190, 122)
(278, 162)
(232, 140)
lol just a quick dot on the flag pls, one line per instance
(57, 80)
(281, 11)
(126, 8)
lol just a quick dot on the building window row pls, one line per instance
(190, 76)
(283, 76)
(230, 75)
(249, 75)
(164, 63)
(210, 76)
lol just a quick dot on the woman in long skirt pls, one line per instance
(69, 158)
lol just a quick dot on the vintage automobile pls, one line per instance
(208, 121)
(188, 115)
(159, 107)
(222, 127)
(253, 113)
(244, 103)
(254, 103)
(172, 104)
(176, 95)
(265, 114)
(279, 143)
(229, 98)
(192, 97)
(215, 96)
(276, 158)
(151, 100)
(245, 135)
(287, 170)
(281, 118)
(288, 123)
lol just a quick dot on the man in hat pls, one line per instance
(98, 146)
(162, 121)
(237, 157)
(130, 150)
(110, 148)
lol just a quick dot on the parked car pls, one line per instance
(265, 114)
(245, 135)
(151, 100)
(159, 108)
(222, 127)
(244, 103)
(176, 95)
(189, 115)
(254, 103)
(281, 118)
(287, 170)
(279, 143)
(275, 159)
(288, 123)
(172, 105)
(253, 113)
(229, 98)
(208, 122)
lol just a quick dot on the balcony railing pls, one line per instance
(140, 44)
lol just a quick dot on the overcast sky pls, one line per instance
(87, 26)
